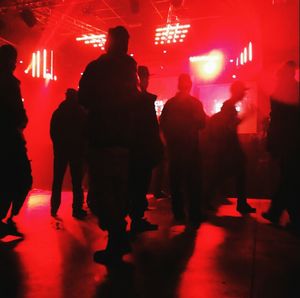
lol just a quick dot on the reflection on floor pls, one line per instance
(229, 256)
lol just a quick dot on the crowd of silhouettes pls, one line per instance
(110, 124)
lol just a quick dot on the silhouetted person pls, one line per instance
(229, 158)
(181, 120)
(108, 90)
(146, 153)
(283, 141)
(67, 129)
(16, 180)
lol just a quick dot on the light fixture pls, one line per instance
(171, 33)
(96, 40)
(42, 65)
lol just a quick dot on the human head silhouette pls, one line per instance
(144, 74)
(117, 40)
(8, 58)
(184, 83)
(71, 94)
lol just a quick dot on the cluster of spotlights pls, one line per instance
(171, 33)
(96, 40)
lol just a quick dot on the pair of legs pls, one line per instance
(139, 181)
(231, 165)
(185, 186)
(288, 192)
(108, 198)
(16, 182)
(61, 160)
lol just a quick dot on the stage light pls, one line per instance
(40, 63)
(96, 40)
(171, 33)
(242, 58)
(208, 67)
(28, 17)
(250, 51)
(245, 56)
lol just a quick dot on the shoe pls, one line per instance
(9, 230)
(293, 228)
(106, 257)
(245, 208)
(142, 225)
(79, 214)
(268, 216)
(3, 230)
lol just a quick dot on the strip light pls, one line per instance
(39, 65)
(97, 40)
(246, 55)
(171, 33)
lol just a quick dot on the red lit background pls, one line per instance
(218, 30)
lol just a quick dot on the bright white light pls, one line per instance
(234, 76)
(97, 40)
(242, 58)
(209, 66)
(245, 55)
(40, 64)
(171, 33)
(217, 106)
(250, 51)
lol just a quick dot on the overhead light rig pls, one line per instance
(174, 31)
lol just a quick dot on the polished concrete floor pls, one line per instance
(229, 256)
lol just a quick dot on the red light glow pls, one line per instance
(208, 67)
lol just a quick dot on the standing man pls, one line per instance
(283, 142)
(108, 90)
(146, 153)
(16, 179)
(230, 159)
(181, 120)
(67, 129)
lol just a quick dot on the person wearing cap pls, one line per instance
(16, 180)
(230, 160)
(108, 90)
(67, 131)
(181, 120)
(146, 153)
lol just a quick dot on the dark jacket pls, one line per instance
(67, 126)
(181, 119)
(108, 90)
(147, 146)
(12, 113)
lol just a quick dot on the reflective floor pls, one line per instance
(229, 256)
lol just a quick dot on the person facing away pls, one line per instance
(181, 120)
(230, 160)
(283, 143)
(16, 180)
(67, 131)
(108, 90)
(146, 153)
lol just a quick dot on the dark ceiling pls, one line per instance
(226, 24)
